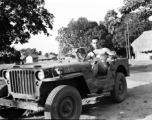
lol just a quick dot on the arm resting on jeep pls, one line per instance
(112, 54)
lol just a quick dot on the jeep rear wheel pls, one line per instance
(120, 89)
(6, 112)
(64, 102)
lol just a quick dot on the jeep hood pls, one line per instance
(45, 65)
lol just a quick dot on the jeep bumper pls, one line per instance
(22, 105)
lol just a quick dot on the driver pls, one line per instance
(101, 55)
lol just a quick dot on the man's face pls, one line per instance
(95, 43)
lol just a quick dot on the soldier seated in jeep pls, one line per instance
(101, 56)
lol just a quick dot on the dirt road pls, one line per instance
(137, 106)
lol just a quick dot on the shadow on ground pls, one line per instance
(141, 68)
(138, 105)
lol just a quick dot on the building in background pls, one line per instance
(142, 46)
(29, 59)
(44, 58)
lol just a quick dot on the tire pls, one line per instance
(64, 102)
(9, 112)
(120, 89)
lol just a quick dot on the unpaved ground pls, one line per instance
(137, 106)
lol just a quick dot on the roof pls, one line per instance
(42, 57)
(61, 56)
(143, 42)
(34, 56)
(22, 57)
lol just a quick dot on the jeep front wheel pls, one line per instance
(120, 89)
(64, 102)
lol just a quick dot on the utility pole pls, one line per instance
(128, 41)
(59, 51)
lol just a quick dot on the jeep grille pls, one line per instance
(22, 81)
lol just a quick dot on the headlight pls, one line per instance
(40, 75)
(6, 75)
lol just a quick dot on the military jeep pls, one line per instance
(57, 88)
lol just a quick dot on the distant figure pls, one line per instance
(29, 59)
(132, 54)
(5, 58)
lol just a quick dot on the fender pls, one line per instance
(77, 77)
(64, 77)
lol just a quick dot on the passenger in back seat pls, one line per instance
(101, 55)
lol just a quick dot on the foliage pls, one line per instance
(21, 18)
(40, 53)
(113, 32)
(112, 21)
(142, 8)
(52, 53)
(29, 51)
(79, 33)
(118, 28)
(46, 55)
(135, 28)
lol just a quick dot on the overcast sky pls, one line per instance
(64, 11)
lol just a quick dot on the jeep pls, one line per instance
(57, 88)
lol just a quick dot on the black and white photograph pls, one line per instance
(76, 59)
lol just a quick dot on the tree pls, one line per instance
(63, 40)
(142, 8)
(112, 21)
(74, 34)
(52, 53)
(46, 55)
(79, 33)
(34, 51)
(29, 51)
(21, 18)
(135, 28)
(40, 53)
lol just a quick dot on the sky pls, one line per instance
(64, 11)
